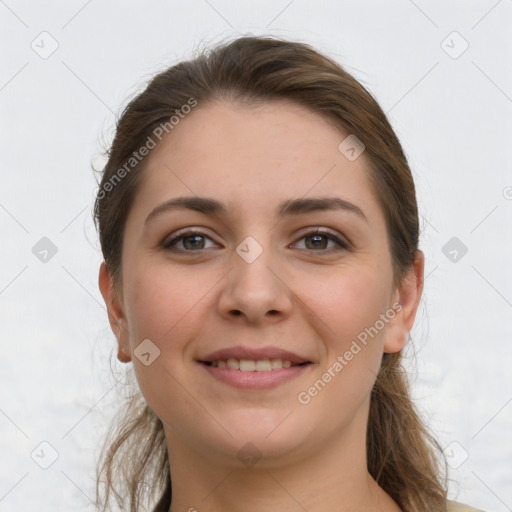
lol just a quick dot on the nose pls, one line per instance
(255, 290)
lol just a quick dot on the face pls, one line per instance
(261, 279)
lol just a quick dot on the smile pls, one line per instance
(249, 365)
(254, 374)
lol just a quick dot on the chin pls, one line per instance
(272, 435)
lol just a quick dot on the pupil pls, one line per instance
(196, 238)
(316, 239)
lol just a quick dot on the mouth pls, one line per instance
(251, 365)
(256, 369)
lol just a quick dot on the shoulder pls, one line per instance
(455, 506)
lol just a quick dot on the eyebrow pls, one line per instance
(299, 206)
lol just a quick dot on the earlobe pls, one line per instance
(115, 312)
(122, 355)
(409, 296)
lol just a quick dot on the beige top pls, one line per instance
(455, 506)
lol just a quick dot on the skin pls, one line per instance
(312, 302)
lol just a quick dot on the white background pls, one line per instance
(452, 115)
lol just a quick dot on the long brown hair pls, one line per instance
(403, 457)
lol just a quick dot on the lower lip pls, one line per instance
(256, 380)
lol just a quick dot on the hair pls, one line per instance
(402, 456)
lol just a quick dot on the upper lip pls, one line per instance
(255, 354)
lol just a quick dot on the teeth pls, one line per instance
(263, 365)
(248, 365)
(233, 364)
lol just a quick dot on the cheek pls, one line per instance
(350, 302)
(345, 302)
(348, 306)
(162, 304)
(164, 308)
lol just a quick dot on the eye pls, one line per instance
(189, 240)
(315, 241)
(319, 240)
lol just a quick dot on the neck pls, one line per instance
(333, 479)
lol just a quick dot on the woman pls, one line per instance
(259, 227)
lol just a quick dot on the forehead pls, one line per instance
(254, 157)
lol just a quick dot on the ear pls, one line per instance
(116, 314)
(408, 295)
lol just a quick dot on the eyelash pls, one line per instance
(168, 244)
